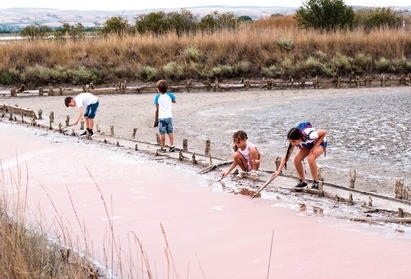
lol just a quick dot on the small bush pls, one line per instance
(82, 75)
(191, 54)
(285, 44)
(147, 73)
(5, 78)
(382, 64)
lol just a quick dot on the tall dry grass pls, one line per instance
(25, 252)
(273, 48)
(28, 251)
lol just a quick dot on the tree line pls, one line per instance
(322, 15)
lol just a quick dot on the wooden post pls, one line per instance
(188, 86)
(98, 129)
(40, 113)
(207, 147)
(82, 125)
(158, 138)
(134, 133)
(247, 85)
(112, 130)
(61, 91)
(185, 144)
(194, 159)
(13, 92)
(216, 85)
(67, 120)
(41, 91)
(270, 84)
(382, 79)
(51, 117)
(136, 147)
(320, 188)
(400, 212)
(399, 188)
(350, 199)
(353, 176)
(320, 175)
(51, 91)
(60, 128)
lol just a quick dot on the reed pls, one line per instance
(243, 53)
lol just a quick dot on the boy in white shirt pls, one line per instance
(87, 105)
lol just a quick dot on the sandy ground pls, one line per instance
(105, 200)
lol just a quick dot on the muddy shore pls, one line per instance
(367, 128)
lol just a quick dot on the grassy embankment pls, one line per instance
(268, 48)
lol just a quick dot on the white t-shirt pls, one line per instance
(164, 101)
(85, 99)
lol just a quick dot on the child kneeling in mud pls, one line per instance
(246, 156)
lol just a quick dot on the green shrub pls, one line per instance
(147, 73)
(5, 78)
(382, 64)
(82, 75)
(191, 54)
(173, 70)
(285, 44)
(273, 71)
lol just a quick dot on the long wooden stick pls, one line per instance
(262, 187)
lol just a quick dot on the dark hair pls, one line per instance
(240, 134)
(293, 134)
(162, 86)
(67, 101)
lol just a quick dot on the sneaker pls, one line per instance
(315, 185)
(172, 148)
(83, 134)
(253, 174)
(90, 133)
(241, 174)
(162, 150)
(301, 184)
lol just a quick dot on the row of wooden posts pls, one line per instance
(268, 84)
(400, 190)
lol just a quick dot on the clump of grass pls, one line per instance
(29, 253)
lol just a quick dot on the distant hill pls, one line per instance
(15, 19)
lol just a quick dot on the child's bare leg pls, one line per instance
(255, 159)
(311, 158)
(163, 140)
(87, 122)
(90, 123)
(298, 162)
(240, 160)
(171, 138)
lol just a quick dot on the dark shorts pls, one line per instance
(165, 126)
(90, 111)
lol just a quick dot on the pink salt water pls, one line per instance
(109, 199)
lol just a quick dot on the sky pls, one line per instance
(112, 5)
